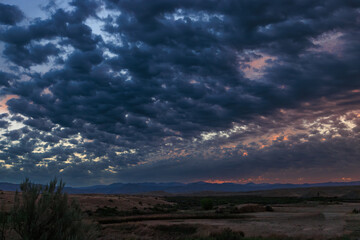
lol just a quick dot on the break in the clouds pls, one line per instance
(101, 91)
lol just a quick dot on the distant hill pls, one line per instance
(4, 186)
(174, 187)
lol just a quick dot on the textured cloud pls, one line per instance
(117, 90)
(10, 15)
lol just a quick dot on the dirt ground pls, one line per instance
(121, 202)
(94, 201)
(318, 222)
(304, 220)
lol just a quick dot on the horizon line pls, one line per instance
(187, 183)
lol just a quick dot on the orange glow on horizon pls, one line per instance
(261, 179)
(258, 179)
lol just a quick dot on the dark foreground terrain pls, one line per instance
(312, 213)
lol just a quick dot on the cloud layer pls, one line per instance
(180, 90)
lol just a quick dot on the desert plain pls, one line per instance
(306, 213)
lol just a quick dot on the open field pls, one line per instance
(275, 214)
(307, 220)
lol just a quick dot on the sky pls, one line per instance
(104, 91)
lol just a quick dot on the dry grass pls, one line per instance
(152, 217)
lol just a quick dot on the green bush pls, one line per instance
(207, 204)
(44, 213)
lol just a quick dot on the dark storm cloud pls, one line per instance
(41, 124)
(17, 118)
(4, 124)
(10, 14)
(160, 56)
(173, 52)
(5, 78)
(32, 55)
(164, 72)
(61, 24)
(330, 153)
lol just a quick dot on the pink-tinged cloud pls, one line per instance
(3, 101)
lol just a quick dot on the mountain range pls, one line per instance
(176, 187)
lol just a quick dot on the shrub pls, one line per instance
(207, 204)
(43, 212)
(107, 211)
(163, 208)
(227, 234)
(250, 208)
(269, 208)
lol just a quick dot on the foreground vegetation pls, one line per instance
(46, 212)
(42, 213)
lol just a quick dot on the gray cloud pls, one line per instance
(129, 82)
(10, 15)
